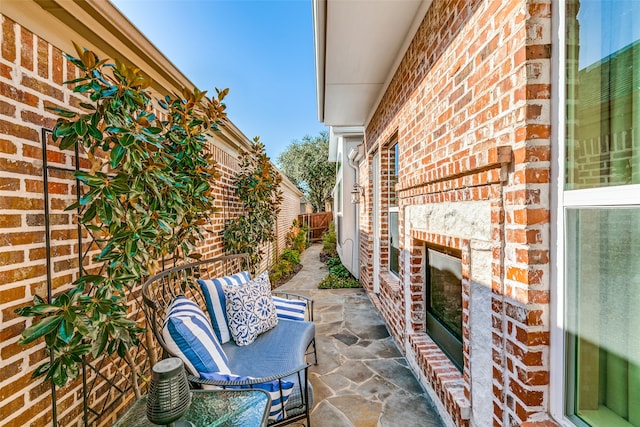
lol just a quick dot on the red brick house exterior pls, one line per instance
(468, 103)
(496, 147)
(32, 70)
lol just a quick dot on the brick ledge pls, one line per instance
(442, 376)
(391, 281)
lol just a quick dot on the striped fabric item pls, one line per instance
(289, 308)
(216, 302)
(189, 336)
(278, 400)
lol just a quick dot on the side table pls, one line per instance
(211, 408)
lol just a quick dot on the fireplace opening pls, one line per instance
(444, 301)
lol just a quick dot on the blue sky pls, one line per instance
(606, 27)
(262, 50)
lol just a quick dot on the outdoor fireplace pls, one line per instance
(443, 285)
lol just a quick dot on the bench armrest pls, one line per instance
(293, 296)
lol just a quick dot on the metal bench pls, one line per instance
(277, 355)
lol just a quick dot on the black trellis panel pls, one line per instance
(94, 381)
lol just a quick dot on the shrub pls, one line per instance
(340, 271)
(280, 270)
(329, 241)
(291, 255)
(332, 262)
(331, 281)
(338, 277)
(301, 242)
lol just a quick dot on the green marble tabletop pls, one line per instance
(211, 408)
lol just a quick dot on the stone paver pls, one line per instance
(361, 379)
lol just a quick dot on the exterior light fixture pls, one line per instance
(357, 193)
(169, 395)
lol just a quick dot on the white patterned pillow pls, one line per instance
(250, 309)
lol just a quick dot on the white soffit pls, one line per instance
(363, 42)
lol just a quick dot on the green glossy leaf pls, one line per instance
(89, 214)
(89, 197)
(68, 141)
(40, 328)
(82, 325)
(100, 342)
(41, 370)
(81, 127)
(62, 129)
(89, 179)
(94, 132)
(116, 156)
(127, 140)
(66, 331)
(62, 112)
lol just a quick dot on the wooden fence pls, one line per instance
(318, 223)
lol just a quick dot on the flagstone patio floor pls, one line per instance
(362, 379)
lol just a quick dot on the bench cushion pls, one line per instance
(188, 335)
(278, 350)
(216, 301)
(289, 308)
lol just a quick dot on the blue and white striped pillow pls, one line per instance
(278, 401)
(289, 308)
(188, 334)
(216, 301)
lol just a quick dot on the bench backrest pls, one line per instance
(159, 291)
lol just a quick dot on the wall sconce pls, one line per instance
(357, 193)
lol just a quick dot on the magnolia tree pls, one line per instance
(147, 195)
(306, 163)
(257, 186)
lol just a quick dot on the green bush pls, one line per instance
(332, 262)
(300, 242)
(281, 269)
(291, 255)
(329, 241)
(297, 236)
(331, 281)
(338, 277)
(340, 271)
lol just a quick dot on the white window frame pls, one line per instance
(376, 222)
(561, 199)
(393, 209)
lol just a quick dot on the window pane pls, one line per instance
(603, 93)
(603, 315)
(394, 242)
(392, 170)
(445, 290)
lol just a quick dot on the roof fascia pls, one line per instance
(319, 10)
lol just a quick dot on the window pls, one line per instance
(338, 208)
(394, 233)
(444, 301)
(600, 214)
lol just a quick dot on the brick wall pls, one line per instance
(31, 76)
(470, 108)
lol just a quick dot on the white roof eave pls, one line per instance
(358, 47)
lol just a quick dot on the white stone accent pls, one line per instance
(470, 220)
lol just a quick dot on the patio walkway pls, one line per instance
(361, 379)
